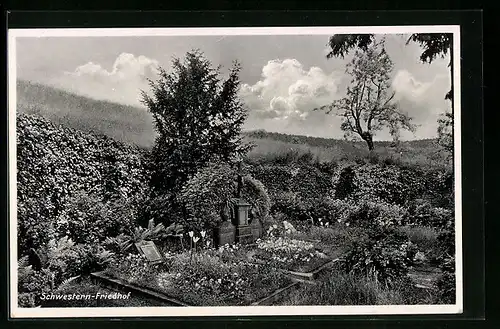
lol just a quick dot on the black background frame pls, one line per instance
(471, 53)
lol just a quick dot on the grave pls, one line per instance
(241, 210)
(225, 233)
(149, 250)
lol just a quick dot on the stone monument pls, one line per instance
(241, 209)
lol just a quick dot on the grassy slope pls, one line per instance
(134, 125)
(124, 123)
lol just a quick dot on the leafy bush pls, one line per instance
(55, 163)
(277, 179)
(208, 196)
(372, 214)
(385, 256)
(58, 262)
(205, 196)
(392, 183)
(306, 180)
(422, 212)
(346, 184)
(292, 206)
(164, 208)
(256, 194)
(86, 219)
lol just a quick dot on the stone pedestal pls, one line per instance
(244, 234)
(240, 220)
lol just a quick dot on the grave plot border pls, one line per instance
(121, 285)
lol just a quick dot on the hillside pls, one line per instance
(134, 125)
(124, 123)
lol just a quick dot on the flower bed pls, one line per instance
(290, 254)
(279, 252)
(204, 278)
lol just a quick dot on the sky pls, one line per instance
(283, 77)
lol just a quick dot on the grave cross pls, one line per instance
(240, 181)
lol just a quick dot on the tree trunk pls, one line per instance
(368, 138)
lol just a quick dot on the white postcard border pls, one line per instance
(16, 312)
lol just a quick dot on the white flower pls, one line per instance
(191, 233)
(219, 281)
(346, 224)
(195, 239)
(203, 233)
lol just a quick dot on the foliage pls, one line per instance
(434, 45)
(208, 196)
(385, 256)
(57, 263)
(163, 208)
(373, 214)
(368, 105)
(205, 196)
(86, 219)
(305, 181)
(340, 44)
(206, 279)
(256, 194)
(445, 132)
(292, 206)
(55, 163)
(393, 184)
(346, 184)
(198, 118)
(424, 237)
(288, 253)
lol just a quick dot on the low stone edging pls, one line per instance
(122, 285)
(275, 295)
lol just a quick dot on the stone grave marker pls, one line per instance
(148, 249)
(225, 234)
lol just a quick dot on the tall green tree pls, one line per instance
(368, 105)
(198, 118)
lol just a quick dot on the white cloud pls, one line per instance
(287, 94)
(422, 100)
(122, 83)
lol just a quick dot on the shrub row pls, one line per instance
(55, 164)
